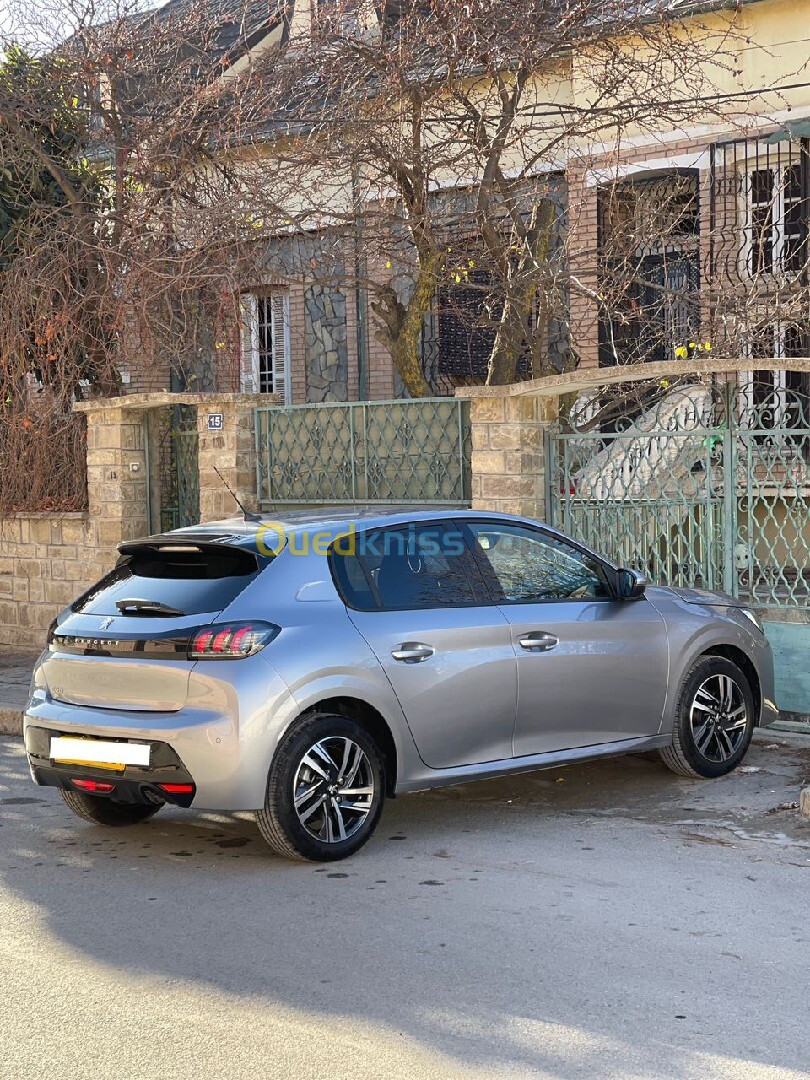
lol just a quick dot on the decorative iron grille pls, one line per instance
(649, 266)
(708, 488)
(364, 452)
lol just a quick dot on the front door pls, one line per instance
(414, 595)
(591, 669)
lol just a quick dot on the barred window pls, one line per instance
(265, 343)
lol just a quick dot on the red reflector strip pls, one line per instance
(177, 789)
(93, 785)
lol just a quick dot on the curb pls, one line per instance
(769, 735)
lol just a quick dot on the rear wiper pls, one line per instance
(146, 607)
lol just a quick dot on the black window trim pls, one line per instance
(485, 572)
(472, 570)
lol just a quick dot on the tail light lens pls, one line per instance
(93, 785)
(231, 641)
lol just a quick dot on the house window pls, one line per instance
(775, 239)
(266, 343)
(776, 399)
(467, 316)
(649, 266)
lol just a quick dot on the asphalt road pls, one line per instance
(606, 921)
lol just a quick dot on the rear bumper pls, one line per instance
(223, 740)
(133, 784)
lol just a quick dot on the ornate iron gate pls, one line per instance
(710, 488)
(174, 475)
(364, 452)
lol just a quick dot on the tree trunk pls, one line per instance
(401, 326)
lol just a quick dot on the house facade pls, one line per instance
(676, 240)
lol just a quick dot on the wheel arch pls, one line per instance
(747, 666)
(374, 723)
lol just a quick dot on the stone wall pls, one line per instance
(508, 457)
(327, 354)
(45, 562)
(48, 559)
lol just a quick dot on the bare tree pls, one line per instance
(454, 126)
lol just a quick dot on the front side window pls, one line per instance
(424, 566)
(526, 565)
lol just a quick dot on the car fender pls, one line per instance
(689, 641)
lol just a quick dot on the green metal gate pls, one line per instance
(364, 452)
(173, 471)
(710, 488)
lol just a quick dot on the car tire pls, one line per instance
(102, 811)
(305, 808)
(714, 720)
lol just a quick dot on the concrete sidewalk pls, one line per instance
(15, 678)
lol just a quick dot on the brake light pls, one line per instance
(96, 786)
(232, 641)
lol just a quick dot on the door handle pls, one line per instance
(538, 641)
(412, 652)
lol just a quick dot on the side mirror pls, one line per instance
(630, 585)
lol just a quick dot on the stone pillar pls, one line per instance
(508, 456)
(231, 448)
(117, 487)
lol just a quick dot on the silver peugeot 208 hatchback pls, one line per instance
(307, 666)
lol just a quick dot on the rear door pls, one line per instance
(591, 669)
(414, 595)
(122, 645)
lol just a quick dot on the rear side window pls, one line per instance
(159, 582)
(424, 566)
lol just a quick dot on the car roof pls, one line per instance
(241, 531)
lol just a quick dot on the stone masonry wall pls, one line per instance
(48, 559)
(327, 354)
(508, 456)
(45, 562)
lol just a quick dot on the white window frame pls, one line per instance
(746, 378)
(278, 301)
(779, 205)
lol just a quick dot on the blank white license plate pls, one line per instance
(95, 751)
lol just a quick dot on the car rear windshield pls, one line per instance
(159, 582)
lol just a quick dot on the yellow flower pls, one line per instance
(388, 265)
(708, 346)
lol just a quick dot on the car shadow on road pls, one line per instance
(536, 924)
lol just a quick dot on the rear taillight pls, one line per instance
(96, 786)
(231, 641)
